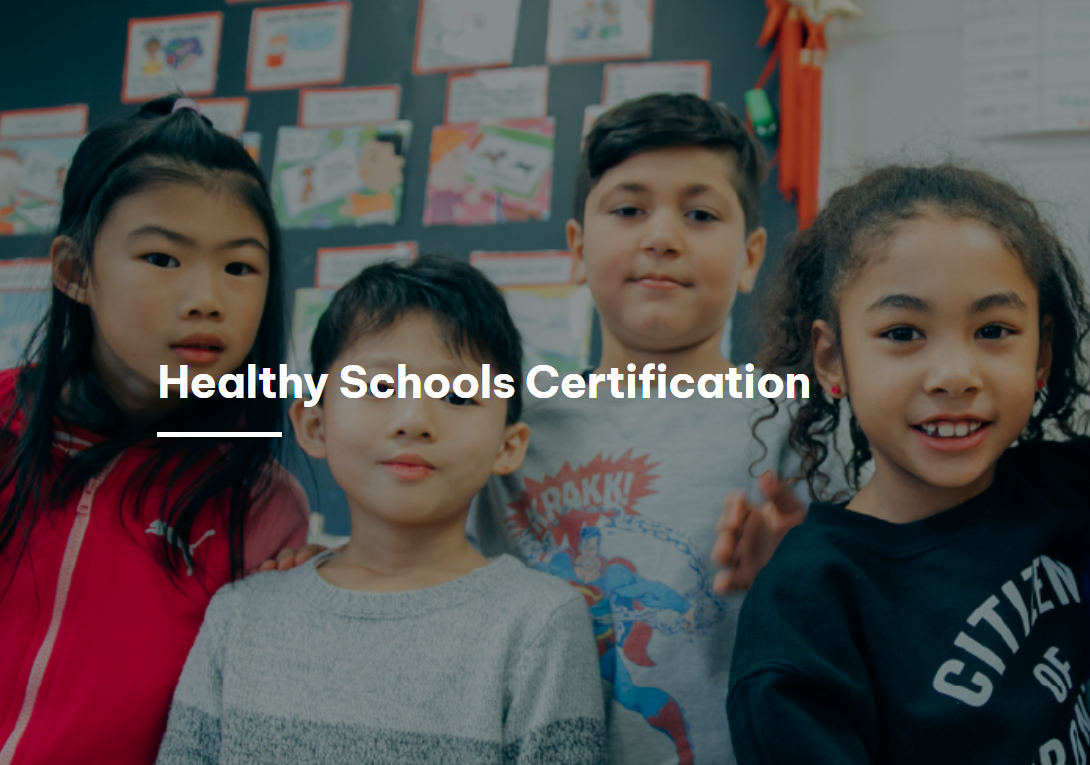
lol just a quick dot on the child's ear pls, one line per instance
(513, 449)
(69, 275)
(828, 365)
(1044, 353)
(756, 241)
(309, 426)
(575, 247)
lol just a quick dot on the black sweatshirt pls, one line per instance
(960, 638)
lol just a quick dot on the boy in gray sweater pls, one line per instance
(407, 645)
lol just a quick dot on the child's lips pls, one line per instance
(951, 436)
(198, 348)
(197, 354)
(659, 282)
(409, 467)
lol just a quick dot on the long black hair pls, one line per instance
(823, 260)
(157, 145)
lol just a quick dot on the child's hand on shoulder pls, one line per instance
(289, 558)
(747, 535)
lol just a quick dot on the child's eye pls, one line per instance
(993, 332)
(239, 269)
(161, 260)
(902, 334)
(702, 216)
(627, 211)
(454, 398)
(382, 387)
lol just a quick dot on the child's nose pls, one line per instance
(202, 296)
(412, 418)
(663, 235)
(954, 371)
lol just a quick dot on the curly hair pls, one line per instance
(822, 262)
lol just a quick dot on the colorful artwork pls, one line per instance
(494, 173)
(589, 30)
(227, 115)
(310, 304)
(298, 45)
(464, 34)
(32, 173)
(340, 176)
(171, 54)
(251, 142)
(24, 302)
(553, 315)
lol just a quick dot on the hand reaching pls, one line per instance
(289, 558)
(747, 535)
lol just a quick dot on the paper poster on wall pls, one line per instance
(464, 34)
(591, 115)
(493, 173)
(298, 45)
(552, 314)
(310, 304)
(228, 115)
(337, 265)
(498, 94)
(251, 142)
(170, 54)
(1027, 67)
(598, 30)
(339, 107)
(340, 176)
(51, 122)
(624, 82)
(32, 173)
(24, 301)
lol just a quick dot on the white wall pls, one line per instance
(893, 91)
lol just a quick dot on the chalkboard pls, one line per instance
(55, 52)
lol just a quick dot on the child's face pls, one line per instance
(664, 248)
(941, 353)
(179, 275)
(409, 461)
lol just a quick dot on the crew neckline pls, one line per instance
(941, 528)
(393, 605)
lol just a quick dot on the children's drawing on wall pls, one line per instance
(495, 173)
(298, 45)
(310, 304)
(24, 302)
(553, 315)
(170, 54)
(20, 313)
(460, 34)
(251, 142)
(32, 173)
(582, 30)
(340, 176)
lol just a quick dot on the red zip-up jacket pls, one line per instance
(93, 630)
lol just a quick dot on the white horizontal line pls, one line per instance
(218, 434)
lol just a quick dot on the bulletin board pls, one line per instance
(74, 53)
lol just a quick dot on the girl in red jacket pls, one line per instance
(112, 541)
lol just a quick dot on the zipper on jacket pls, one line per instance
(64, 583)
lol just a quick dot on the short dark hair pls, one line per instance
(665, 121)
(468, 308)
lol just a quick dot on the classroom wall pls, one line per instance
(57, 52)
(893, 90)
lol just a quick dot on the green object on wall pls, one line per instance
(760, 112)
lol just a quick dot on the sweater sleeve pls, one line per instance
(778, 717)
(193, 729)
(556, 710)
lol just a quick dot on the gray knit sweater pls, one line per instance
(498, 666)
